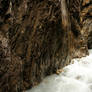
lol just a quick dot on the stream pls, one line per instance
(76, 77)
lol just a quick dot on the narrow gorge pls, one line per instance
(38, 38)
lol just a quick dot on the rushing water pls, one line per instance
(76, 77)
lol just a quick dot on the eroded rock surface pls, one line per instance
(38, 40)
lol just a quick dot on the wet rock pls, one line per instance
(39, 39)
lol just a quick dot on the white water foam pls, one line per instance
(75, 77)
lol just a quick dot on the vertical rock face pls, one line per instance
(38, 38)
(79, 42)
(90, 40)
(10, 65)
(39, 41)
(86, 21)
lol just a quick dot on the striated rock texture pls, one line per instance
(90, 40)
(10, 68)
(10, 64)
(86, 21)
(38, 38)
(42, 37)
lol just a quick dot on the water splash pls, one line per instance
(76, 77)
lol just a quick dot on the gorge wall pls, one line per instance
(39, 40)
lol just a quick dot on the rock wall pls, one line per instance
(41, 39)
(86, 21)
(38, 38)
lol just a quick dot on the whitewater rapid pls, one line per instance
(76, 77)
